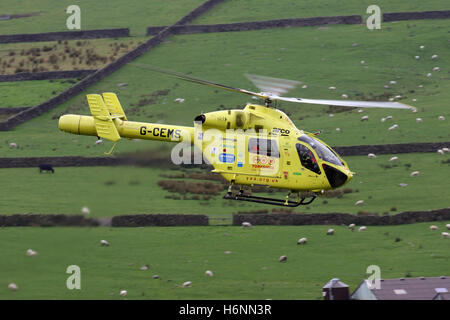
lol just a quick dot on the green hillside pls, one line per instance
(359, 63)
(110, 191)
(134, 14)
(178, 254)
(257, 10)
(320, 57)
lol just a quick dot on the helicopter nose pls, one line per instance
(337, 177)
(349, 176)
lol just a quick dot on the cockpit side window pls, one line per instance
(307, 158)
(324, 152)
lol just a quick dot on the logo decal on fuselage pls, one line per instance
(281, 131)
(226, 158)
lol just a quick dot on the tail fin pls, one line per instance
(103, 121)
(113, 105)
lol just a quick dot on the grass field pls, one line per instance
(179, 254)
(110, 191)
(319, 57)
(135, 14)
(63, 55)
(36, 92)
(257, 10)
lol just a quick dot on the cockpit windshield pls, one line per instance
(324, 152)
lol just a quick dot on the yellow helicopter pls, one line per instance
(256, 146)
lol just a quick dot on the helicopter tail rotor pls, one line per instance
(270, 85)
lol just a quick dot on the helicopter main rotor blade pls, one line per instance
(347, 103)
(200, 81)
(270, 96)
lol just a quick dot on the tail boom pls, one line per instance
(86, 125)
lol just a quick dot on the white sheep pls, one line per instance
(246, 225)
(187, 284)
(362, 229)
(85, 210)
(395, 126)
(386, 86)
(332, 88)
(330, 232)
(123, 293)
(393, 159)
(417, 57)
(31, 253)
(445, 149)
(428, 75)
(100, 141)
(436, 69)
(422, 47)
(433, 228)
(442, 118)
(180, 100)
(351, 226)
(344, 96)
(448, 226)
(364, 118)
(13, 145)
(383, 119)
(388, 117)
(338, 129)
(402, 184)
(302, 241)
(283, 259)
(440, 151)
(13, 287)
(360, 110)
(398, 97)
(371, 156)
(304, 86)
(414, 100)
(434, 56)
(362, 62)
(414, 174)
(104, 243)
(359, 202)
(209, 273)
(331, 115)
(393, 82)
(445, 234)
(419, 120)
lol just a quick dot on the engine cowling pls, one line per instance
(230, 119)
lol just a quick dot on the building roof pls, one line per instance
(409, 288)
(335, 283)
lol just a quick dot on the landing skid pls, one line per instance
(276, 202)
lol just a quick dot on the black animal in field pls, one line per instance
(46, 167)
